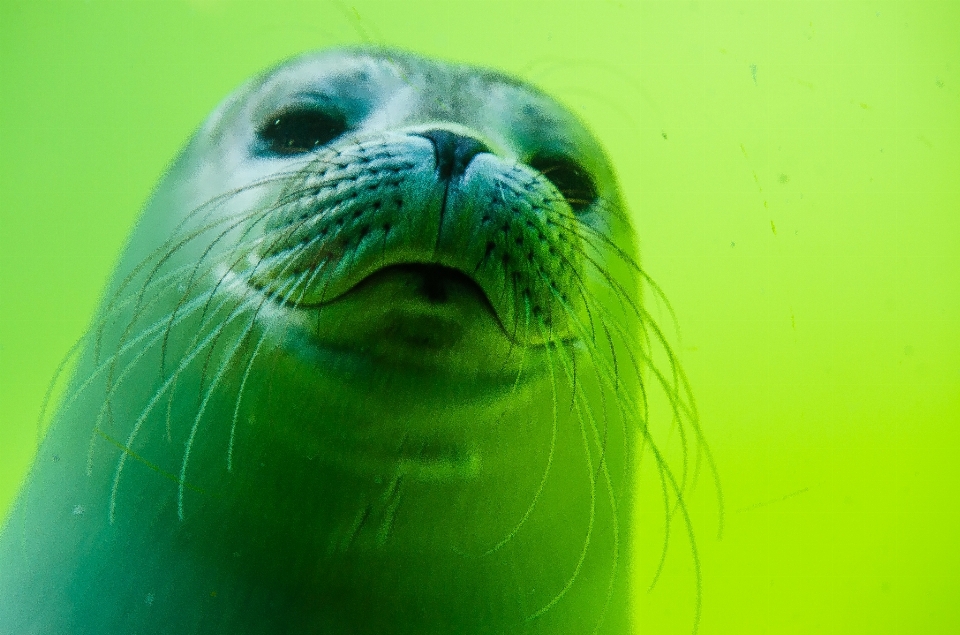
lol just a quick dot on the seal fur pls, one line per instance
(371, 362)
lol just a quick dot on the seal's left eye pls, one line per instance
(300, 130)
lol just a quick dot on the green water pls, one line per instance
(793, 169)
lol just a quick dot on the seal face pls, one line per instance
(370, 363)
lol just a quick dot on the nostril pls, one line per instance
(453, 152)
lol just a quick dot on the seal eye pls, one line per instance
(573, 181)
(300, 130)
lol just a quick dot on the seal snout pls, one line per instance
(494, 209)
(452, 152)
(439, 199)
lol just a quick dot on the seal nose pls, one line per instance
(453, 152)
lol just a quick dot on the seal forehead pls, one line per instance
(381, 90)
(355, 82)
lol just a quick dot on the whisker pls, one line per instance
(668, 482)
(159, 393)
(249, 367)
(593, 495)
(210, 390)
(546, 471)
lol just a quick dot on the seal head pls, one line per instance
(370, 363)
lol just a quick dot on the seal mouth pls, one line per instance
(417, 315)
(435, 284)
(430, 307)
(425, 297)
(438, 281)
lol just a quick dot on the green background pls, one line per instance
(794, 168)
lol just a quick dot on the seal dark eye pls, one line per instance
(573, 181)
(300, 130)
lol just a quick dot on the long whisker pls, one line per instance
(159, 393)
(550, 454)
(210, 391)
(681, 408)
(69, 357)
(253, 356)
(144, 338)
(173, 244)
(669, 483)
(600, 440)
(547, 336)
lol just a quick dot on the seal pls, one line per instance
(372, 362)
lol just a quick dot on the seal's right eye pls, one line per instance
(299, 130)
(568, 176)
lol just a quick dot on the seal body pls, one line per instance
(370, 363)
